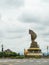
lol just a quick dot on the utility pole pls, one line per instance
(2, 48)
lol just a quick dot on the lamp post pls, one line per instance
(47, 50)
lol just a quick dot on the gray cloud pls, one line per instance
(17, 30)
(11, 3)
(46, 40)
(46, 34)
(45, 1)
(14, 32)
(1, 34)
(11, 36)
(14, 37)
(39, 13)
(29, 17)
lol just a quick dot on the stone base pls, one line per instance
(33, 52)
(33, 55)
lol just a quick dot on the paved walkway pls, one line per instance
(24, 61)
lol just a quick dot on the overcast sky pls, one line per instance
(17, 17)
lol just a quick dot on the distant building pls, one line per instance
(8, 50)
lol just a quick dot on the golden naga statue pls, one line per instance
(34, 50)
(33, 35)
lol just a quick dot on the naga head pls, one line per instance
(33, 34)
